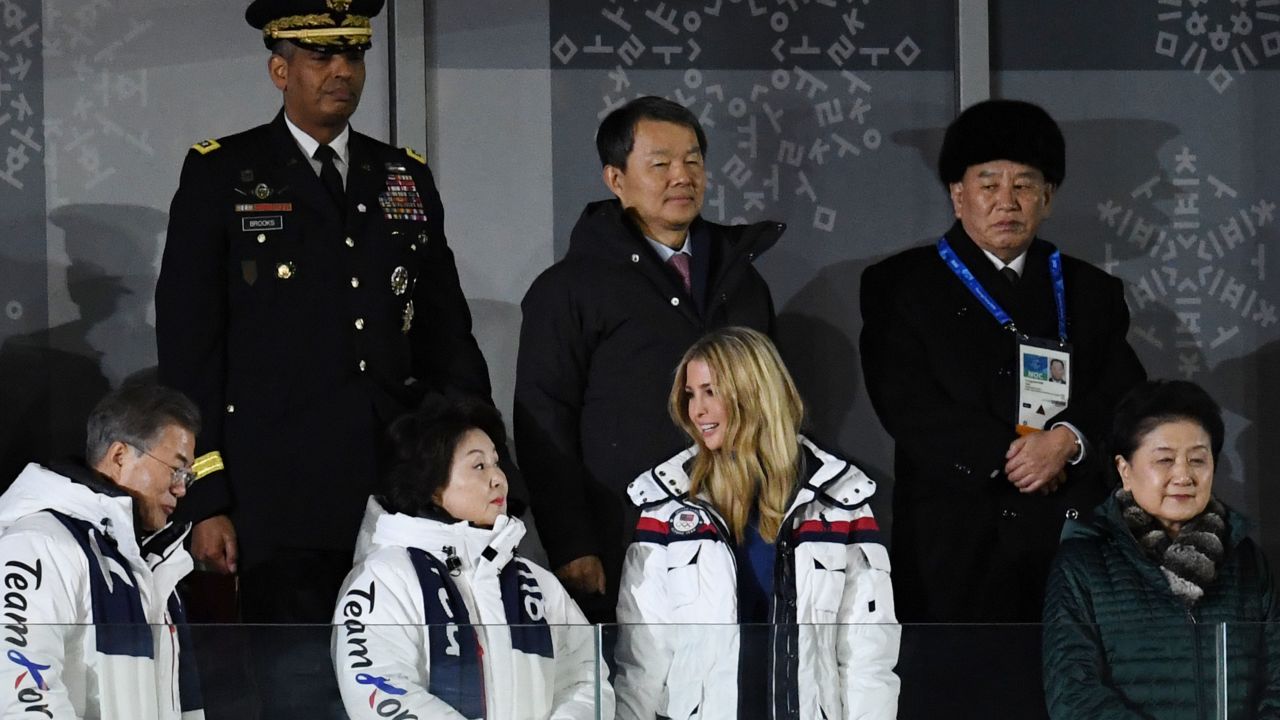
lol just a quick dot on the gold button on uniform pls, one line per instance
(359, 323)
(284, 271)
(262, 237)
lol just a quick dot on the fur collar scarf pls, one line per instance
(1190, 561)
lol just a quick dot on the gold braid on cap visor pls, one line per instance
(304, 27)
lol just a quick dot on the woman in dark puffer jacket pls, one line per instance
(1144, 595)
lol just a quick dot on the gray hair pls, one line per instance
(135, 414)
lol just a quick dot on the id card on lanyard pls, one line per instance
(1044, 366)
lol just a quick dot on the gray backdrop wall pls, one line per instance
(825, 114)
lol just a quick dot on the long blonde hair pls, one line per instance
(759, 460)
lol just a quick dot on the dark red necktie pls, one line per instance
(680, 261)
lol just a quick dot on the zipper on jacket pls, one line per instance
(1195, 640)
(784, 581)
(173, 662)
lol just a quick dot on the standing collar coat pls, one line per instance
(603, 331)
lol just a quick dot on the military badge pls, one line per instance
(408, 318)
(338, 5)
(286, 270)
(204, 147)
(262, 191)
(400, 201)
(399, 280)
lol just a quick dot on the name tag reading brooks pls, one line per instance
(1044, 377)
(262, 222)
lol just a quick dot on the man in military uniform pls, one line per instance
(307, 297)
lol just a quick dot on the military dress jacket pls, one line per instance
(301, 328)
(941, 374)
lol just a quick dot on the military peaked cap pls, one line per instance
(1003, 130)
(324, 25)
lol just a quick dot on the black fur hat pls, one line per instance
(1003, 130)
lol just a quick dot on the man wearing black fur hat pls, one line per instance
(307, 297)
(991, 456)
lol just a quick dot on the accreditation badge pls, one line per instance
(1044, 382)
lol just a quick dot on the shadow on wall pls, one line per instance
(496, 325)
(53, 377)
(1248, 386)
(114, 252)
(817, 334)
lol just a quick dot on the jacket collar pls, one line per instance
(85, 497)
(302, 182)
(1107, 519)
(825, 475)
(605, 231)
(473, 545)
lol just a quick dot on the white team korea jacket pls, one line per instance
(442, 620)
(93, 628)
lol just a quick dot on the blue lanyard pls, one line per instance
(961, 271)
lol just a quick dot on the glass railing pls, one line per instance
(1189, 670)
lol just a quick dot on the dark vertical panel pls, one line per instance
(24, 418)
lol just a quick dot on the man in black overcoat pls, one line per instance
(979, 501)
(307, 297)
(645, 276)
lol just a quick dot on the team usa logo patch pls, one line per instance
(684, 521)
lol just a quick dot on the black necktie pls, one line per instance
(1009, 274)
(330, 177)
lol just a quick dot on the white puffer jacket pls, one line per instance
(834, 636)
(442, 620)
(58, 570)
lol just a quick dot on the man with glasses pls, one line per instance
(90, 561)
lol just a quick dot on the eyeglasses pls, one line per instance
(186, 477)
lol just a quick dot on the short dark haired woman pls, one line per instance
(1142, 592)
(440, 617)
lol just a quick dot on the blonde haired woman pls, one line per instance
(753, 524)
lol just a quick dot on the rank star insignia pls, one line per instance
(399, 280)
(408, 318)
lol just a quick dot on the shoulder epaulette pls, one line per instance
(204, 147)
(415, 155)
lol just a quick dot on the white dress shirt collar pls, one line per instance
(1017, 263)
(309, 144)
(665, 251)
